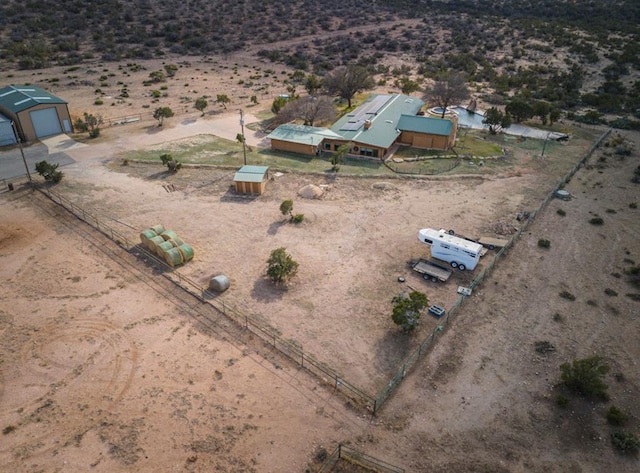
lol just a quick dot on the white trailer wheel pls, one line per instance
(454, 264)
(462, 267)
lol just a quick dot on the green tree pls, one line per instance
(519, 110)
(161, 113)
(554, 115)
(339, 157)
(313, 84)
(49, 171)
(585, 377)
(254, 99)
(91, 123)
(171, 163)
(496, 120)
(281, 267)
(541, 109)
(223, 100)
(407, 309)
(286, 208)
(346, 82)
(278, 103)
(448, 89)
(201, 104)
(407, 86)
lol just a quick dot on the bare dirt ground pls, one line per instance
(103, 371)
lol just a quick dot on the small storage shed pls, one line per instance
(427, 132)
(251, 179)
(7, 137)
(36, 112)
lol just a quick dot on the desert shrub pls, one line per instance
(407, 308)
(98, 102)
(633, 275)
(625, 442)
(633, 205)
(585, 377)
(557, 317)
(596, 221)
(562, 400)
(615, 416)
(544, 347)
(297, 218)
(8, 429)
(561, 212)
(592, 303)
(611, 211)
(542, 243)
(610, 292)
(567, 295)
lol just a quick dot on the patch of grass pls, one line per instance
(633, 296)
(561, 212)
(610, 292)
(557, 317)
(592, 303)
(611, 211)
(567, 295)
(596, 221)
(633, 205)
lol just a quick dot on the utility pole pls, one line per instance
(15, 131)
(244, 145)
(544, 146)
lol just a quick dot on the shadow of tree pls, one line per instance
(264, 290)
(274, 227)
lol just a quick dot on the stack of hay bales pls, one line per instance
(167, 245)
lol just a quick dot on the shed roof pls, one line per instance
(382, 112)
(429, 125)
(302, 134)
(17, 98)
(250, 174)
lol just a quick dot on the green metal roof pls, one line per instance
(429, 125)
(382, 112)
(250, 174)
(17, 98)
(302, 134)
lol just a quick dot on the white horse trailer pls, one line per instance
(459, 252)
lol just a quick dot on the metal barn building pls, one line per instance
(35, 112)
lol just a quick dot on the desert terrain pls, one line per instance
(106, 366)
(104, 369)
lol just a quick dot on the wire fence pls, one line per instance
(268, 334)
(409, 362)
(357, 458)
(249, 322)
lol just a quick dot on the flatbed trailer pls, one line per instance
(431, 271)
(493, 243)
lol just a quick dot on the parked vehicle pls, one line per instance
(430, 270)
(458, 252)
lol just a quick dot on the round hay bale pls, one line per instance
(152, 243)
(310, 192)
(176, 242)
(173, 257)
(186, 251)
(163, 247)
(219, 283)
(169, 235)
(146, 235)
(158, 229)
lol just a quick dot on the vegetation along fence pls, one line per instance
(290, 349)
(358, 458)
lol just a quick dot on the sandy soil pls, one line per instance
(103, 369)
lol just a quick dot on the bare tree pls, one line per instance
(308, 109)
(347, 81)
(448, 89)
